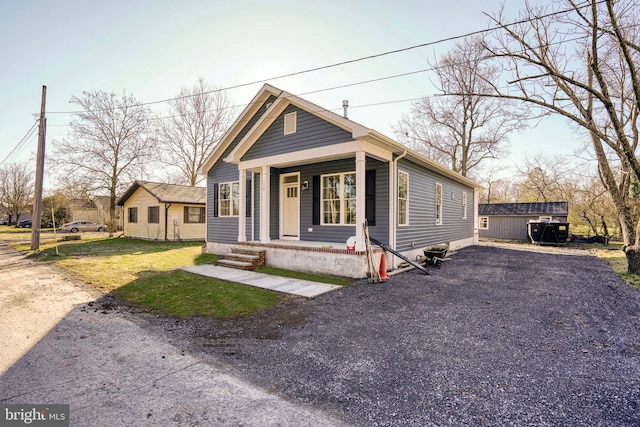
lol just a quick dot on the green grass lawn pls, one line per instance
(182, 294)
(145, 274)
(616, 259)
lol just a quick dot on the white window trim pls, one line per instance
(231, 205)
(483, 220)
(438, 217)
(290, 123)
(342, 198)
(406, 223)
(464, 205)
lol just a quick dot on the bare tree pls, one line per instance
(580, 61)
(108, 146)
(197, 121)
(546, 179)
(497, 188)
(16, 189)
(461, 129)
(594, 207)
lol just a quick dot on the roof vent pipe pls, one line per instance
(345, 105)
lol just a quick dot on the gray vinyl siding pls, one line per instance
(335, 233)
(311, 132)
(274, 206)
(422, 228)
(225, 229)
(508, 227)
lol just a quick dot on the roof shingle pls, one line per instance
(527, 208)
(169, 193)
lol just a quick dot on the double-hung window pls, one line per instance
(229, 199)
(464, 205)
(153, 215)
(194, 214)
(438, 204)
(403, 198)
(339, 198)
(132, 215)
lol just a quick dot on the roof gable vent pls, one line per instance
(290, 123)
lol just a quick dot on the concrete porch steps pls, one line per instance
(243, 258)
(240, 265)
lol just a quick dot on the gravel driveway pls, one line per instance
(494, 337)
(59, 347)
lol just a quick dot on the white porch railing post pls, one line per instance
(361, 199)
(242, 211)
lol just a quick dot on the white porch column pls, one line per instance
(393, 210)
(361, 199)
(476, 195)
(265, 193)
(242, 212)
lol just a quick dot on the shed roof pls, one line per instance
(528, 208)
(168, 193)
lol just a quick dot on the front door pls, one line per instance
(290, 213)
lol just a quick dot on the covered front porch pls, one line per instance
(330, 258)
(286, 197)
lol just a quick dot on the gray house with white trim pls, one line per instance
(508, 221)
(298, 181)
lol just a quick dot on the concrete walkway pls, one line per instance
(305, 288)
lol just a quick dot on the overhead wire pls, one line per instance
(333, 65)
(393, 76)
(351, 61)
(16, 150)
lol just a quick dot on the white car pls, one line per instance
(76, 226)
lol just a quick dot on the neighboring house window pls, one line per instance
(483, 223)
(464, 205)
(339, 198)
(133, 215)
(438, 204)
(290, 123)
(229, 199)
(403, 198)
(154, 214)
(193, 214)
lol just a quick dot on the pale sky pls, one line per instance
(152, 49)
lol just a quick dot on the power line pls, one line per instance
(351, 61)
(393, 76)
(20, 144)
(338, 64)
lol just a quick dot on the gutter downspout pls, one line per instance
(394, 203)
(166, 221)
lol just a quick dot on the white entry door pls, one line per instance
(290, 213)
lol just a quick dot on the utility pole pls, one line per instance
(37, 198)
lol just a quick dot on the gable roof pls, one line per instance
(281, 100)
(528, 208)
(168, 193)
